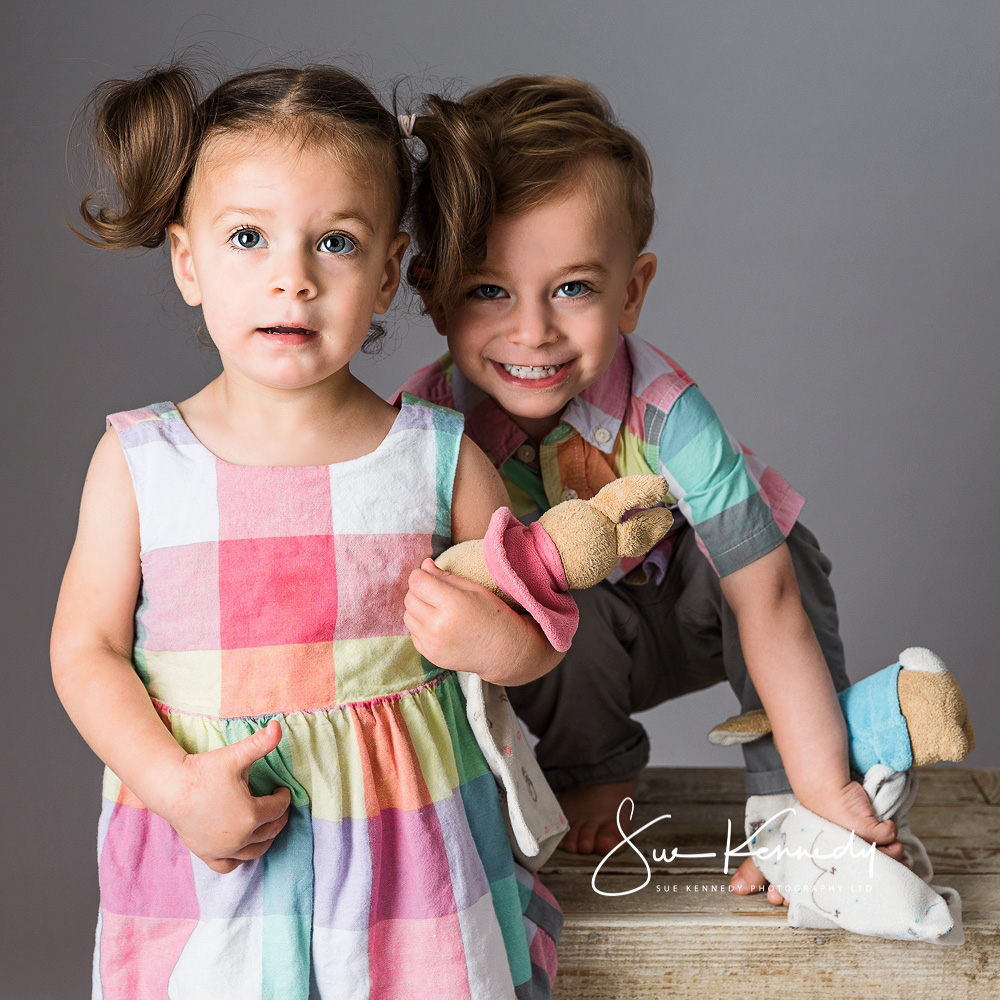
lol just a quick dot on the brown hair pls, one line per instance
(505, 148)
(148, 134)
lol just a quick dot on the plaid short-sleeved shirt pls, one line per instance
(643, 416)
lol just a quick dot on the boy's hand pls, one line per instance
(210, 805)
(850, 808)
(459, 625)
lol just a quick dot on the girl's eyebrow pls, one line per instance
(330, 218)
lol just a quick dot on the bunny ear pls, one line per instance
(630, 493)
(637, 535)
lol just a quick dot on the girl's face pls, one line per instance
(539, 322)
(289, 253)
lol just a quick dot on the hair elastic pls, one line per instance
(406, 123)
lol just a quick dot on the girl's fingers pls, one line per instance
(253, 851)
(269, 808)
(416, 604)
(423, 587)
(268, 831)
(446, 579)
(223, 866)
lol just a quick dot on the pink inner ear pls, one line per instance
(526, 566)
(550, 556)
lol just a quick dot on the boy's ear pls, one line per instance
(438, 319)
(183, 264)
(392, 274)
(643, 272)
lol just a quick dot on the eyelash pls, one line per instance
(588, 290)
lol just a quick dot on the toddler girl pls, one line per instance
(294, 804)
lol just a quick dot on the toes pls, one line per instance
(587, 838)
(775, 898)
(569, 840)
(748, 879)
(607, 838)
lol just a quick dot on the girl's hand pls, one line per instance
(212, 809)
(459, 625)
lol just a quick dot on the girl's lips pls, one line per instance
(534, 383)
(287, 334)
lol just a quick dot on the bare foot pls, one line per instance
(592, 813)
(748, 880)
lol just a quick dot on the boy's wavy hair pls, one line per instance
(505, 148)
(147, 135)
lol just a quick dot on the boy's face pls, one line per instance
(539, 322)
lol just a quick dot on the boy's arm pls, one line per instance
(459, 625)
(202, 796)
(790, 674)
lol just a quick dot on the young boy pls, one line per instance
(533, 208)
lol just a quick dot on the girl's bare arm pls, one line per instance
(459, 625)
(205, 797)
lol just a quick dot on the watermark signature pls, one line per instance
(743, 850)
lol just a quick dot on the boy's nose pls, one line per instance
(533, 327)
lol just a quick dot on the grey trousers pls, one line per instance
(640, 645)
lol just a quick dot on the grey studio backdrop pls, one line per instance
(828, 235)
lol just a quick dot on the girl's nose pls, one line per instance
(293, 278)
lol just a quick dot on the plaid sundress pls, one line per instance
(277, 592)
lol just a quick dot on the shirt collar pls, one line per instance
(596, 414)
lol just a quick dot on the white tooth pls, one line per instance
(532, 372)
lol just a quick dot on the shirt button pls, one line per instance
(569, 494)
(526, 453)
(602, 435)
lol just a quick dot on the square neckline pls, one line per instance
(331, 465)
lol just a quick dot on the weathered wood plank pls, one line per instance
(602, 962)
(681, 785)
(682, 945)
(989, 783)
(941, 785)
(697, 899)
(676, 785)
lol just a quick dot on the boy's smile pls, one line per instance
(539, 322)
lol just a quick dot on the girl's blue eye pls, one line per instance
(574, 289)
(248, 239)
(337, 243)
(489, 292)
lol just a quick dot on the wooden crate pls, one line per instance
(685, 936)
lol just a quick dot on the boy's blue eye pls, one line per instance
(573, 289)
(248, 239)
(337, 243)
(489, 292)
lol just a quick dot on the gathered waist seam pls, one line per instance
(379, 699)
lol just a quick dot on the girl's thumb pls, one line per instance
(257, 746)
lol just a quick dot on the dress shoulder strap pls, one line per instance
(173, 474)
(440, 430)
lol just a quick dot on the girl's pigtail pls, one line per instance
(454, 198)
(145, 134)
